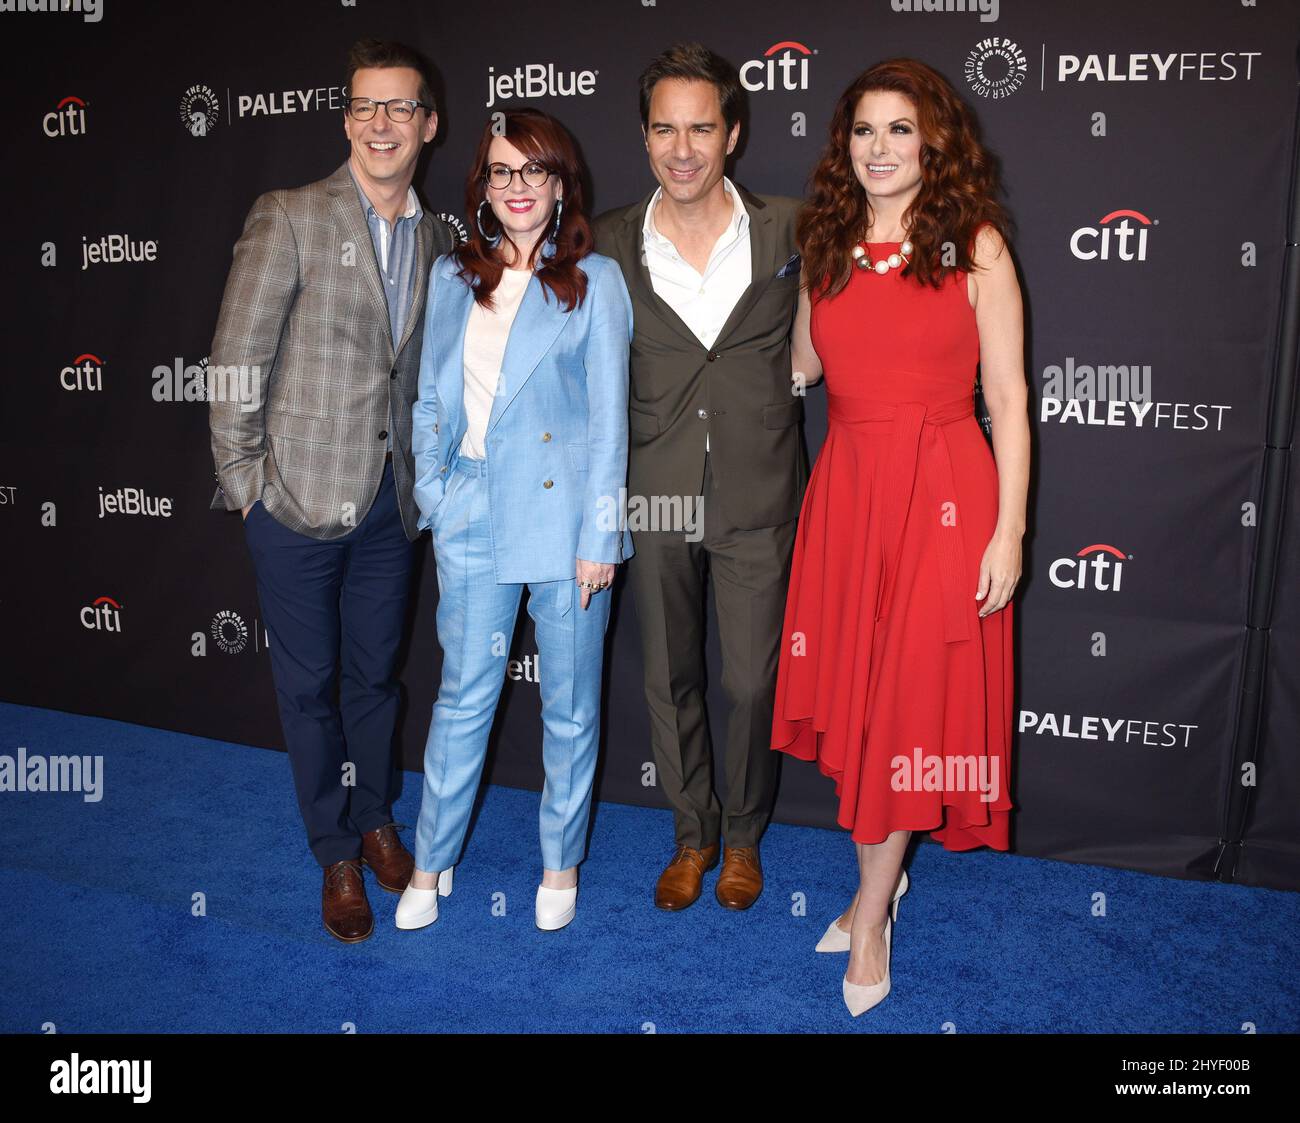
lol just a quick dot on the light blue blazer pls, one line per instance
(556, 439)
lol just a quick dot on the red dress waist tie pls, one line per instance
(917, 445)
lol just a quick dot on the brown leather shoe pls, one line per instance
(741, 879)
(384, 853)
(679, 885)
(343, 904)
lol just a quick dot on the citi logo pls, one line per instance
(1091, 567)
(85, 373)
(1094, 243)
(103, 614)
(67, 119)
(784, 66)
(988, 9)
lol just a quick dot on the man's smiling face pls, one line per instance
(385, 151)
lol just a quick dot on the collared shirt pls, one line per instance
(702, 300)
(395, 256)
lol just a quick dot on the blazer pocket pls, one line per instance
(783, 415)
(578, 457)
(298, 427)
(642, 423)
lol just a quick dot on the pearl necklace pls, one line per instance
(862, 258)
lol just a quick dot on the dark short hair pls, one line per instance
(694, 62)
(377, 54)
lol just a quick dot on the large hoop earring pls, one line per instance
(491, 240)
(555, 230)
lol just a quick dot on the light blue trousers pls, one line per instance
(476, 619)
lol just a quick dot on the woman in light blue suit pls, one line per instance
(520, 440)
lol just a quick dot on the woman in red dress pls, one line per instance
(896, 662)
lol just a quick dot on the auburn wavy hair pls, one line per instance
(542, 138)
(959, 182)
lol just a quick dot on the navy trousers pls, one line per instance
(334, 613)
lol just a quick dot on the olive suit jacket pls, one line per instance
(738, 391)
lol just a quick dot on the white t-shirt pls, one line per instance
(486, 336)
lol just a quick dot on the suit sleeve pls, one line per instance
(429, 481)
(260, 292)
(603, 537)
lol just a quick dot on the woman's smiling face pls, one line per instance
(885, 145)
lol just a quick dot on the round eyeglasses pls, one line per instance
(399, 109)
(532, 173)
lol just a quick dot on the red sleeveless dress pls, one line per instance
(888, 678)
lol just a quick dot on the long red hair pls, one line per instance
(542, 138)
(958, 183)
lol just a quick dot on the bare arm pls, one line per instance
(806, 367)
(999, 316)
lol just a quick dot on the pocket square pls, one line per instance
(790, 268)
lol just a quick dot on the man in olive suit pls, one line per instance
(713, 273)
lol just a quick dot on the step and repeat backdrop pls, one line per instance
(1146, 152)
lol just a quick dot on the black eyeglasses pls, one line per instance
(399, 109)
(532, 173)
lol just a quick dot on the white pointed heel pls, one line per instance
(898, 895)
(836, 939)
(418, 908)
(555, 907)
(860, 999)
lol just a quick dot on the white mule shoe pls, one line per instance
(860, 998)
(418, 908)
(555, 907)
(836, 939)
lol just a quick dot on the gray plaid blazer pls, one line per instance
(304, 323)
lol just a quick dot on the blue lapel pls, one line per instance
(539, 320)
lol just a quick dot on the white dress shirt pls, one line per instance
(486, 335)
(702, 301)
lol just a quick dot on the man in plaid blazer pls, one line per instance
(323, 313)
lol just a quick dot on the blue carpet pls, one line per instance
(100, 932)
